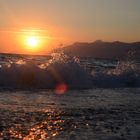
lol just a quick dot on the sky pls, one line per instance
(66, 21)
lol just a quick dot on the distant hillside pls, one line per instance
(100, 49)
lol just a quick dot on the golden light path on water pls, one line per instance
(44, 129)
(28, 121)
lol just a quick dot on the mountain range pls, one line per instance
(101, 49)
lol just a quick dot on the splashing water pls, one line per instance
(30, 72)
(126, 74)
(44, 74)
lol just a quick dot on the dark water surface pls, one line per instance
(110, 110)
(97, 114)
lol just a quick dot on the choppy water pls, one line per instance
(43, 98)
(98, 114)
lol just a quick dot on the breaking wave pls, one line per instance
(59, 70)
(63, 71)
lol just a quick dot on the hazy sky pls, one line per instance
(74, 20)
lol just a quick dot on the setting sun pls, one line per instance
(32, 42)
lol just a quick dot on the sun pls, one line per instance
(32, 42)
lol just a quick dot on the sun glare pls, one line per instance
(32, 42)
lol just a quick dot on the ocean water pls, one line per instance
(48, 72)
(66, 98)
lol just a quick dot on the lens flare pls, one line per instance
(61, 89)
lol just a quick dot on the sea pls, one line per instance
(61, 97)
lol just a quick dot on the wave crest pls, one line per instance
(60, 69)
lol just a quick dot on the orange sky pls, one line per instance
(15, 41)
(65, 22)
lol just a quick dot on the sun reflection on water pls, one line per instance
(36, 126)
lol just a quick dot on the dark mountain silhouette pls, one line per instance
(101, 49)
